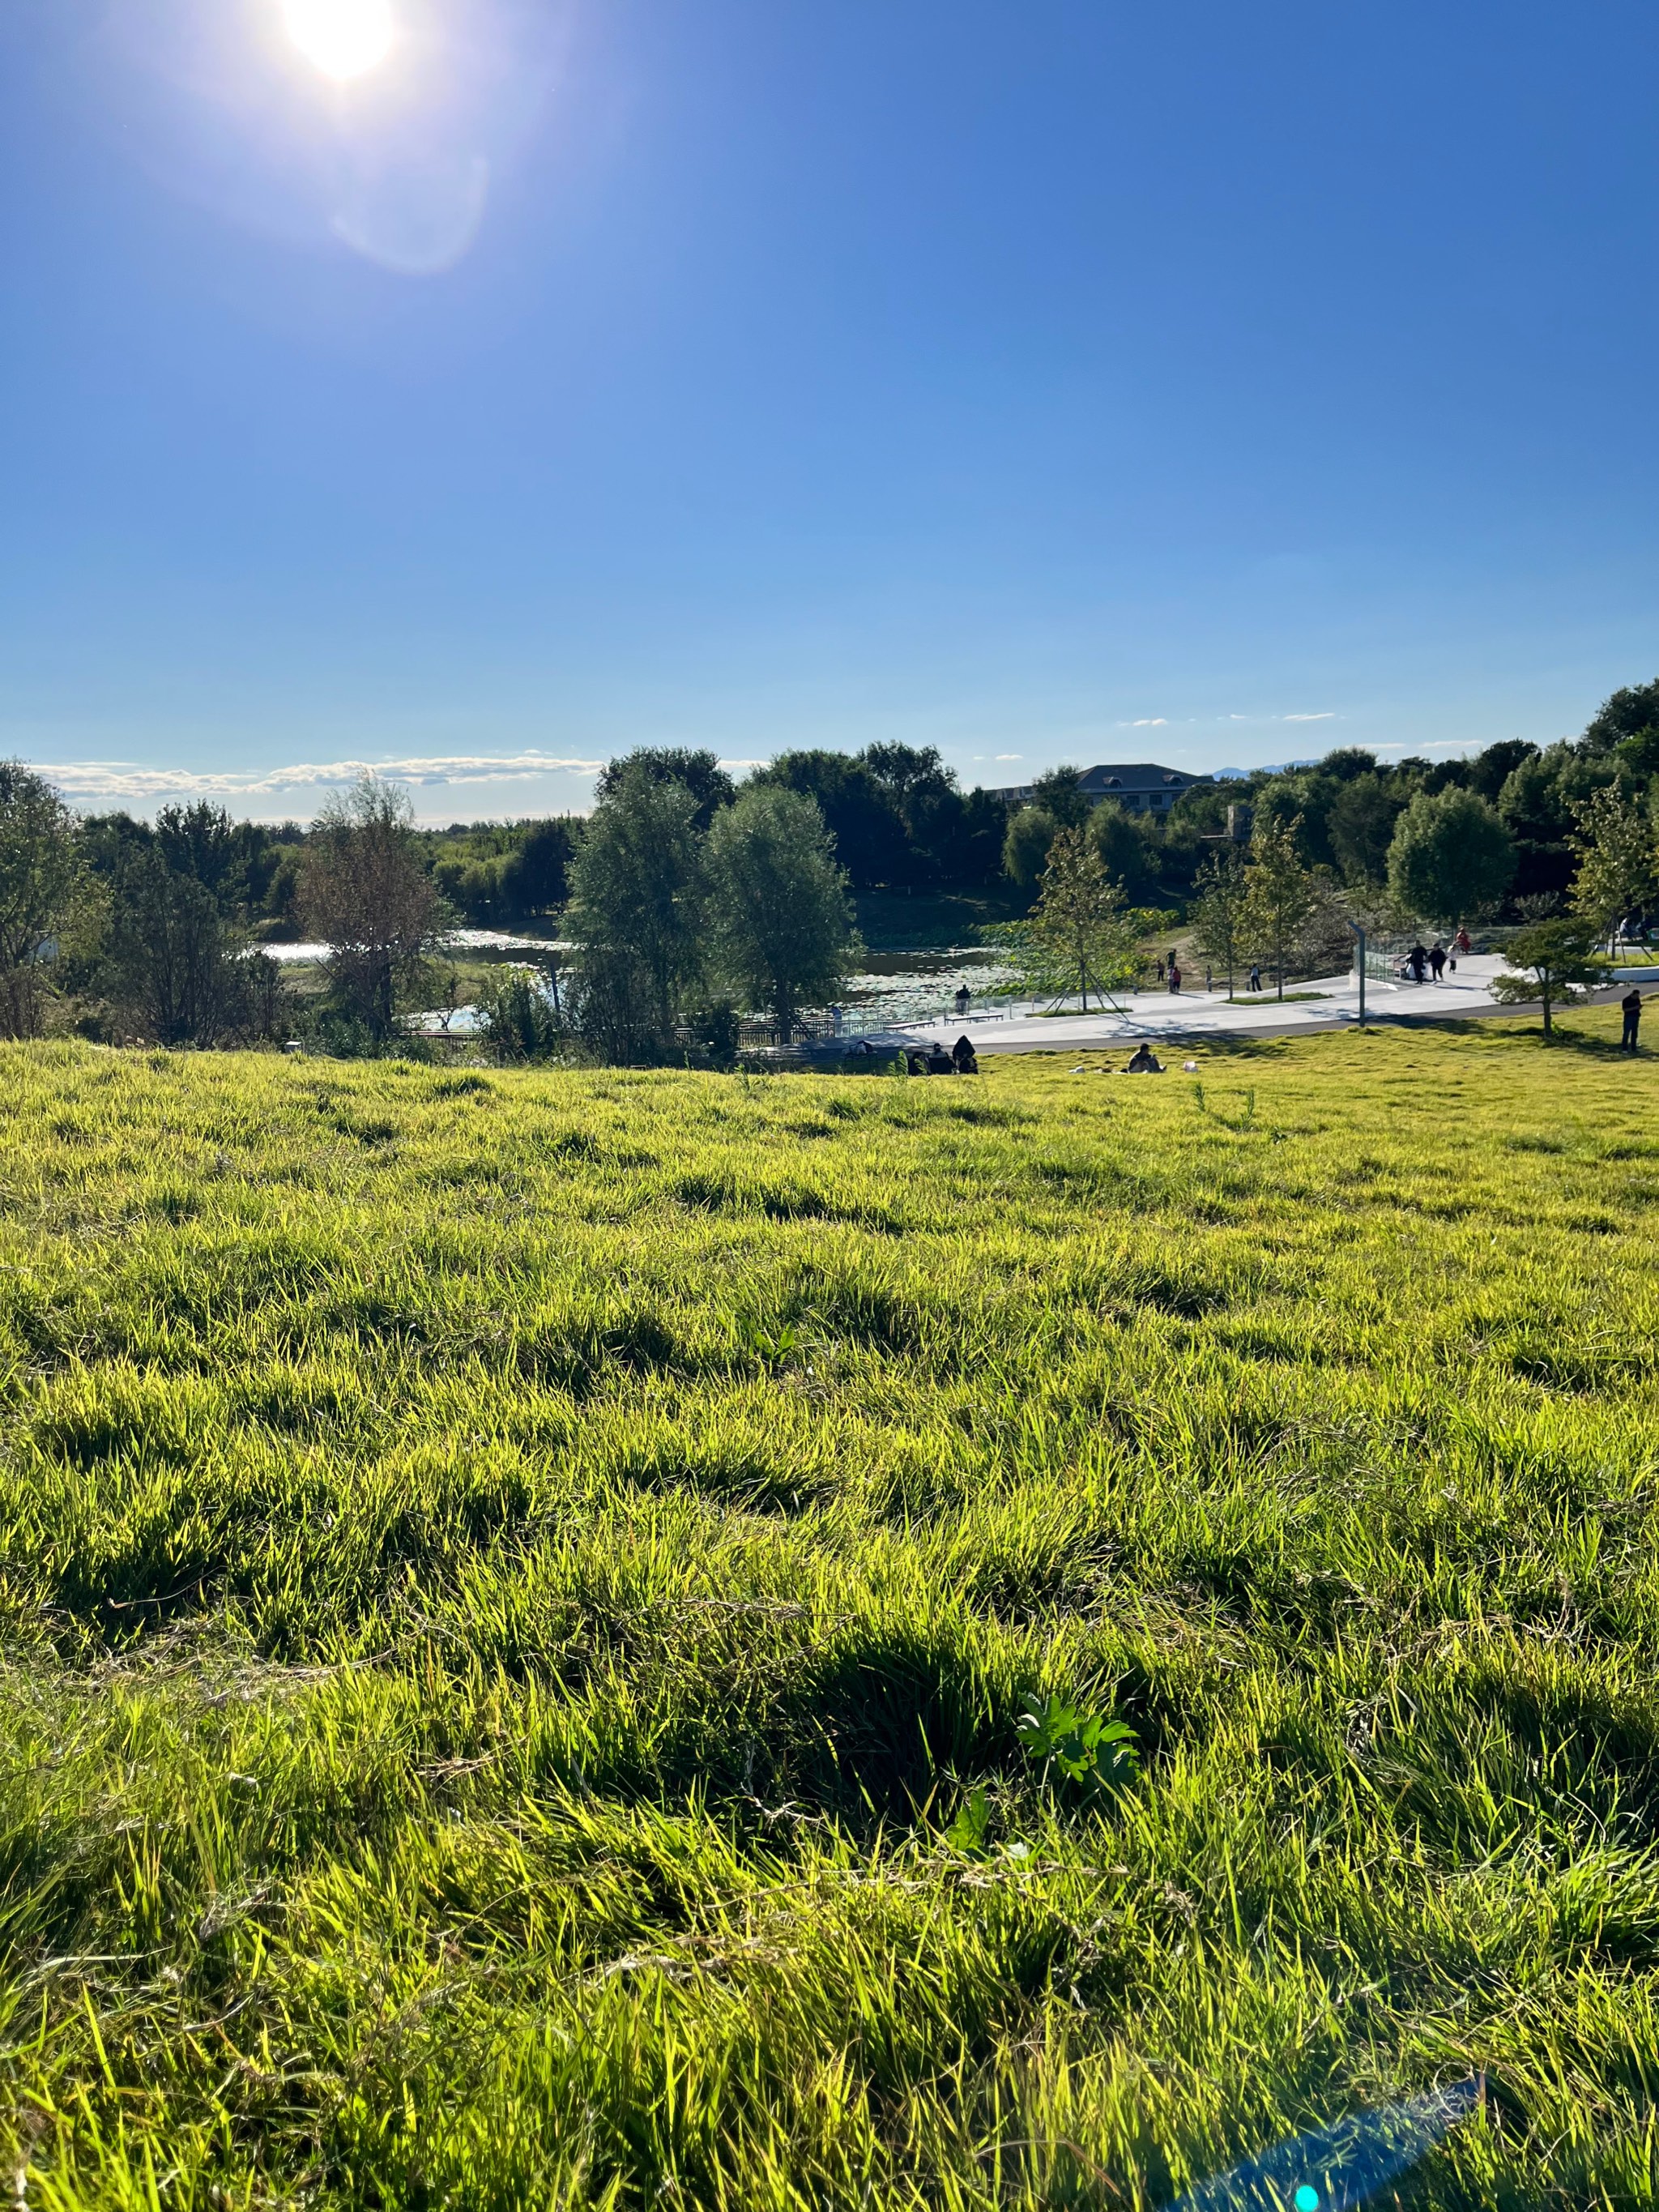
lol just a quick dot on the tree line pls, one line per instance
(689, 899)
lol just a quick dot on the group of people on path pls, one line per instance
(1423, 960)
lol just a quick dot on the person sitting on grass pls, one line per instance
(939, 1061)
(961, 1052)
(1146, 1062)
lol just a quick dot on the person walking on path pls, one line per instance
(1438, 958)
(1631, 1007)
(1255, 975)
(1174, 978)
(1417, 960)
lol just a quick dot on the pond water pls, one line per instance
(459, 940)
(891, 988)
(916, 986)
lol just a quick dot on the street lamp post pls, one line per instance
(1360, 934)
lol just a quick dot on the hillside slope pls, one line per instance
(507, 1578)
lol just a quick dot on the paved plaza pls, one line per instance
(1330, 1002)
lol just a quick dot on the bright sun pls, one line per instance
(344, 38)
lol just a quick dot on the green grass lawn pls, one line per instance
(507, 1580)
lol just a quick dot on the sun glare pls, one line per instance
(342, 38)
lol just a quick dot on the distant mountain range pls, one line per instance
(1268, 768)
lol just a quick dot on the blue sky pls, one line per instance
(1058, 381)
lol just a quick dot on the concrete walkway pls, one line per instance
(1195, 1015)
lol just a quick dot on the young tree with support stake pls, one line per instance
(1082, 932)
(1217, 911)
(1281, 893)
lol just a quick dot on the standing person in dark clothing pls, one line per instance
(1418, 961)
(1631, 1007)
(1438, 958)
(1255, 976)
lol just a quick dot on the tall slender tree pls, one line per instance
(37, 877)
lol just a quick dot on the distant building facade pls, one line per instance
(1141, 787)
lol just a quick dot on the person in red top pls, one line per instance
(1175, 977)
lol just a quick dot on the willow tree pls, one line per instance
(780, 918)
(638, 896)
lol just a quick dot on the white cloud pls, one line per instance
(1010, 756)
(737, 763)
(1327, 716)
(1151, 722)
(125, 780)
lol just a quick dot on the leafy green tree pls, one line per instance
(535, 876)
(858, 810)
(782, 921)
(1535, 810)
(1553, 960)
(1361, 825)
(1281, 893)
(365, 889)
(179, 968)
(1059, 793)
(1032, 831)
(1627, 715)
(1082, 922)
(923, 795)
(1451, 859)
(1489, 771)
(1130, 848)
(638, 889)
(39, 874)
(1618, 859)
(696, 768)
(1217, 908)
(201, 842)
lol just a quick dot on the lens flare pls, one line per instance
(344, 39)
(1341, 2167)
